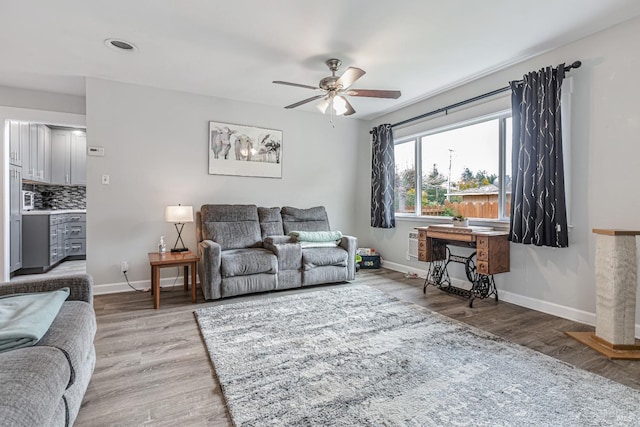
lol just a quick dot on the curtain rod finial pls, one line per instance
(576, 64)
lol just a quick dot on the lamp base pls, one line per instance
(179, 249)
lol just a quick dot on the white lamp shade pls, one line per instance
(339, 105)
(178, 214)
(322, 106)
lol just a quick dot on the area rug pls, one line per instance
(353, 355)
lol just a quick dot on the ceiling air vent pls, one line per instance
(120, 45)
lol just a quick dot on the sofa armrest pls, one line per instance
(289, 254)
(350, 244)
(80, 286)
(209, 269)
(278, 240)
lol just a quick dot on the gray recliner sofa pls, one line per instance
(246, 249)
(44, 385)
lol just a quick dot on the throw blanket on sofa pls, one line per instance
(25, 318)
(317, 239)
(316, 236)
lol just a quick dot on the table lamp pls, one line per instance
(179, 215)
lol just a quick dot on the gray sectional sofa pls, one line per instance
(43, 385)
(246, 249)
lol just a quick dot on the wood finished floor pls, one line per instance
(153, 369)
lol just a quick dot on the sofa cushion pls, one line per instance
(33, 382)
(72, 332)
(270, 222)
(231, 226)
(319, 257)
(312, 219)
(242, 262)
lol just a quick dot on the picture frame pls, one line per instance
(244, 150)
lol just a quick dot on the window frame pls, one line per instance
(501, 116)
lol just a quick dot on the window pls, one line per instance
(462, 169)
(405, 181)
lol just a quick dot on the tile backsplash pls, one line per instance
(57, 196)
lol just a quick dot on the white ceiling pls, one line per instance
(235, 48)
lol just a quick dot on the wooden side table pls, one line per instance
(173, 259)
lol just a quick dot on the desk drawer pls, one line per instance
(459, 237)
(482, 242)
(482, 254)
(483, 267)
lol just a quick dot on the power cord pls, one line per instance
(130, 285)
(174, 280)
(145, 290)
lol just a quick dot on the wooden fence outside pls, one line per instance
(477, 209)
(467, 209)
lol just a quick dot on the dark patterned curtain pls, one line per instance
(383, 172)
(538, 210)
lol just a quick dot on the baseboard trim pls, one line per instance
(142, 285)
(403, 268)
(523, 301)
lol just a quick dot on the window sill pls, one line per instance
(495, 223)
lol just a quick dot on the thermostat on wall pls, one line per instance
(95, 151)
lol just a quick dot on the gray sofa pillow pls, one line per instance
(312, 219)
(270, 222)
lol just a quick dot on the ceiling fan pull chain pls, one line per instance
(332, 113)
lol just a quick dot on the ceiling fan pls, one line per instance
(335, 88)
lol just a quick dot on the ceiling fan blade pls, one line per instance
(371, 93)
(299, 103)
(295, 84)
(349, 76)
(350, 109)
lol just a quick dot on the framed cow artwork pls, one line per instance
(244, 150)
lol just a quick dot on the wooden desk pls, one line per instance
(173, 259)
(491, 257)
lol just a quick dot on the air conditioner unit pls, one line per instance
(412, 249)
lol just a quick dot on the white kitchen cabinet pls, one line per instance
(30, 153)
(60, 157)
(15, 218)
(40, 155)
(47, 154)
(15, 147)
(78, 158)
(68, 157)
(36, 152)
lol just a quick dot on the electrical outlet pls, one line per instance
(124, 266)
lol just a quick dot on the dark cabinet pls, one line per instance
(51, 238)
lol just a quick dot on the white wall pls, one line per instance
(155, 145)
(604, 179)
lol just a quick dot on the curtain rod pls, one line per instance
(575, 64)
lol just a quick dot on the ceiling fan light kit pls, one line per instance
(336, 88)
